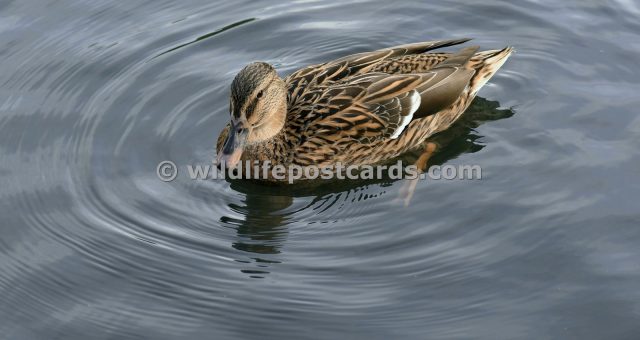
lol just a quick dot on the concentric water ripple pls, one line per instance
(94, 245)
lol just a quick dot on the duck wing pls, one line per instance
(361, 63)
(374, 106)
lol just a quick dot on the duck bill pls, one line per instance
(233, 148)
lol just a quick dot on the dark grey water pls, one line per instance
(93, 246)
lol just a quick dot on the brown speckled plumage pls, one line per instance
(350, 110)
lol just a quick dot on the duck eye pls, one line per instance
(260, 94)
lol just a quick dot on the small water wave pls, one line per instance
(96, 94)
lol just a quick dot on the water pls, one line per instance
(93, 246)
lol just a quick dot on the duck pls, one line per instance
(361, 109)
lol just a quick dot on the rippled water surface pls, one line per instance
(94, 94)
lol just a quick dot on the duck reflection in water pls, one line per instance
(263, 231)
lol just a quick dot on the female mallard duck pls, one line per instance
(361, 109)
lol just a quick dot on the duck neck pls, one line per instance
(271, 140)
(274, 150)
(271, 128)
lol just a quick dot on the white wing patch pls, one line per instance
(405, 120)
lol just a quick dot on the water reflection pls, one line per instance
(264, 230)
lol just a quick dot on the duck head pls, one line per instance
(258, 108)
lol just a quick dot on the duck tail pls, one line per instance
(486, 64)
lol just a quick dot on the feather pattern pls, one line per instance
(369, 107)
